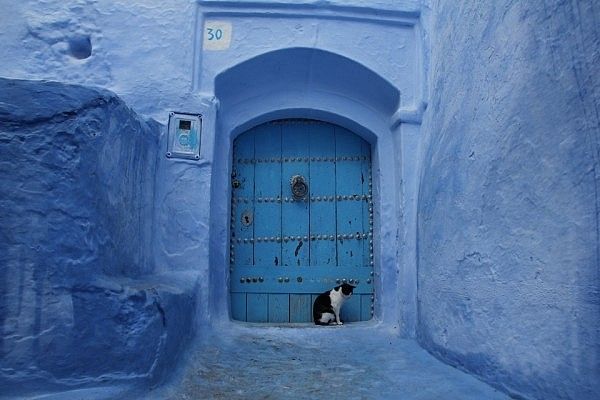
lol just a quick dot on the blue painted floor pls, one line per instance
(355, 361)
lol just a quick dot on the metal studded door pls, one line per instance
(301, 221)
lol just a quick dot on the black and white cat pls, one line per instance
(327, 306)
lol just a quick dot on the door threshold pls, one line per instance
(304, 325)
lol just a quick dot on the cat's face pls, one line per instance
(347, 289)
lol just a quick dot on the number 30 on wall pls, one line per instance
(214, 34)
(217, 35)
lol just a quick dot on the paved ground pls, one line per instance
(356, 361)
(310, 362)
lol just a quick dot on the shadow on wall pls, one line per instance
(319, 71)
(78, 301)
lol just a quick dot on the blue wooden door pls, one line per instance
(286, 247)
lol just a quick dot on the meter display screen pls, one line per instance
(186, 125)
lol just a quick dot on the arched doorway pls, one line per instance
(301, 220)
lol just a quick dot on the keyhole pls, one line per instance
(247, 218)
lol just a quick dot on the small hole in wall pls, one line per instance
(80, 47)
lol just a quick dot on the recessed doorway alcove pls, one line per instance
(296, 100)
(301, 221)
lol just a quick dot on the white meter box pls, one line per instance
(184, 135)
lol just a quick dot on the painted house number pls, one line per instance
(214, 34)
(217, 35)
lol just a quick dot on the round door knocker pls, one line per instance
(299, 187)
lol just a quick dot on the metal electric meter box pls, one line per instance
(184, 135)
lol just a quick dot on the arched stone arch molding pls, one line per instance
(296, 73)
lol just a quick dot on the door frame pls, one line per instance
(386, 224)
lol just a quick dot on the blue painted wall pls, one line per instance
(145, 224)
(508, 247)
(79, 304)
(286, 59)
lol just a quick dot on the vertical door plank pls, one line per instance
(349, 210)
(367, 209)
(238, 306)
(242, 201)
(365, 307)
(295, 216)
(279, 307)
(257, 307)
(367, 212)
(313, 297)
(351, 309)
(322, 212)
(267, 218)
(300, 308)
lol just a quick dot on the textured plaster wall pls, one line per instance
(140, 50)
(149, 51)
(508, 246)
(78, 304)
